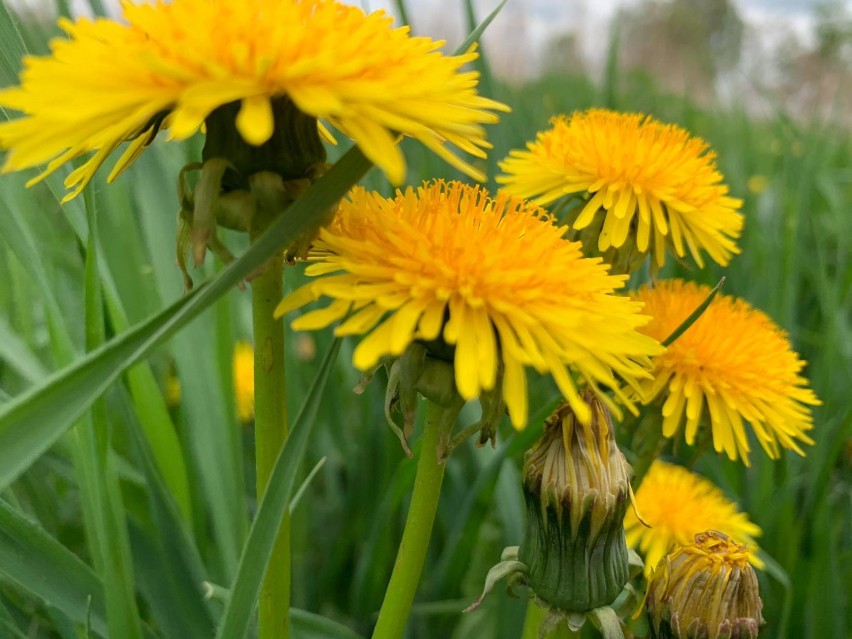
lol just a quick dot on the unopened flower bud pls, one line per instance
(576, 486)
(705, 590)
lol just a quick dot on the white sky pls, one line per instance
(524, 26)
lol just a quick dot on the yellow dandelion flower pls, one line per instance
(493, 278)
(735, 360)
(243, 371)
(170, 65)
(678, 504)
(657, 184)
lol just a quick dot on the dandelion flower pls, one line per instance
(705, 588)
(735, 360)
(576, 489)
(656, 184)
(493, 279)
(243, 370)
(678, 504)
(170, 65)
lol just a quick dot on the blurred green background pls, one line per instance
(795, 176)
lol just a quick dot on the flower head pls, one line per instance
(576, 487)
(656, 184)
(735, 360)
(169, 65)
(488, 284)
(573, 558)
(676, 504)
(705, 589)
(243, 369)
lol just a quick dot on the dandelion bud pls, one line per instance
(706, 589)
(576, 486)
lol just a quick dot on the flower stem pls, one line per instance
(270, 433)
(535, 615)
(411, 555)
(533, 620)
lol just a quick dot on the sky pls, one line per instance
(524, 26)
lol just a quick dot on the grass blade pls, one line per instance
(274, 504)
(100, 495)
(693, 317)
(307, 625)
(477, 33)
(41, 565)
(32, 422)
(177, 573)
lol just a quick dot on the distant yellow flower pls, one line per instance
(493, 278)
(757, 184)
(656, 183)
(243, 371)
(735, 360)
(172, 389)
(169, 65)
(677, 504)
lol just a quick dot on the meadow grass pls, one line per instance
(185, 504)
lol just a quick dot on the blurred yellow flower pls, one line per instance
(170, 65)
(757, 184)
(172, 390)
(243, 371)
(494, 279)
(735, 360)
(677, 504)
(657, 184)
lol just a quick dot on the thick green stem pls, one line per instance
(533, 620)
(411, 555)
(535, 615)
(270, 434)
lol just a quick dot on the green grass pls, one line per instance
(174, 484)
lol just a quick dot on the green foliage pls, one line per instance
(173, 483)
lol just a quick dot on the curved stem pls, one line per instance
(270, 433)
(411, 555)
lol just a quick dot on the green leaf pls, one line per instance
(171, 573)
(304, 487)
(307, 625)
(13, 49)
(15, 352)
(32, 422)
(477, 33)
(693, 317)
(275, 502)
(103, 509)
(41, 565)
(19, 239)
